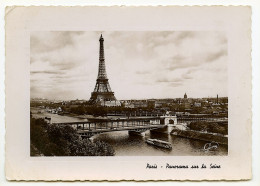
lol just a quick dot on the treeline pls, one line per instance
(91, 110)
(120, 110)
(103, 111)
(53, 140)
(212, 127)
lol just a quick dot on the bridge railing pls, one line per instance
(111, 124)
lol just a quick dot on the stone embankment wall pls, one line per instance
(201, 136)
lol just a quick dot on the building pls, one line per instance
(187, 105)
(111, 103)
(128, 104)
(197, 104)
(102, 92)
(185, 96)
(140, 104)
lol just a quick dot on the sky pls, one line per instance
(139, 65)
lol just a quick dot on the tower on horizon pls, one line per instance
(185, 96)
(102, 91)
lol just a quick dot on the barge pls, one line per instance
(159, 143)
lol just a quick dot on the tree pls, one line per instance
(55, 140)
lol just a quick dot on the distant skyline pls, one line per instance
(215, 97)
(140, 65)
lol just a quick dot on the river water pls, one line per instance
(135, 145)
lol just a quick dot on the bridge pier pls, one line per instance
(160, 130)
(135, 133)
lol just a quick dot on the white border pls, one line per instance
(256, 77)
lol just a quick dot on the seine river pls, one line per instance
(135, 145)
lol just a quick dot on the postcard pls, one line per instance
(128, 93)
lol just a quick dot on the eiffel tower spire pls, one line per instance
(102, 68)
(102, 90)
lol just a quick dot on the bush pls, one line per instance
(54, 140)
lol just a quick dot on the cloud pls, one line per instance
(175, 84)
(49, 41)
(168, 80)
(186, 76)
(64, 65)
(180, 36)
(194, 59)
(138, 64)
(142, 72)
(214, 56)
(47, 72)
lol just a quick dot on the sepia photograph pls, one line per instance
(128, 93)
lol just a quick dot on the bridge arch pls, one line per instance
(170, 120)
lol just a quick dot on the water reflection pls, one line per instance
(135, 145)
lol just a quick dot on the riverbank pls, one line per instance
(192, 134)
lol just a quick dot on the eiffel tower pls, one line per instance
(102, 91)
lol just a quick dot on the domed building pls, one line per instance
(185, 96)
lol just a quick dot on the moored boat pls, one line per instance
(159, 143)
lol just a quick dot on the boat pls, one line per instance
(159, 143)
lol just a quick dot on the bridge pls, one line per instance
(132, 125)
